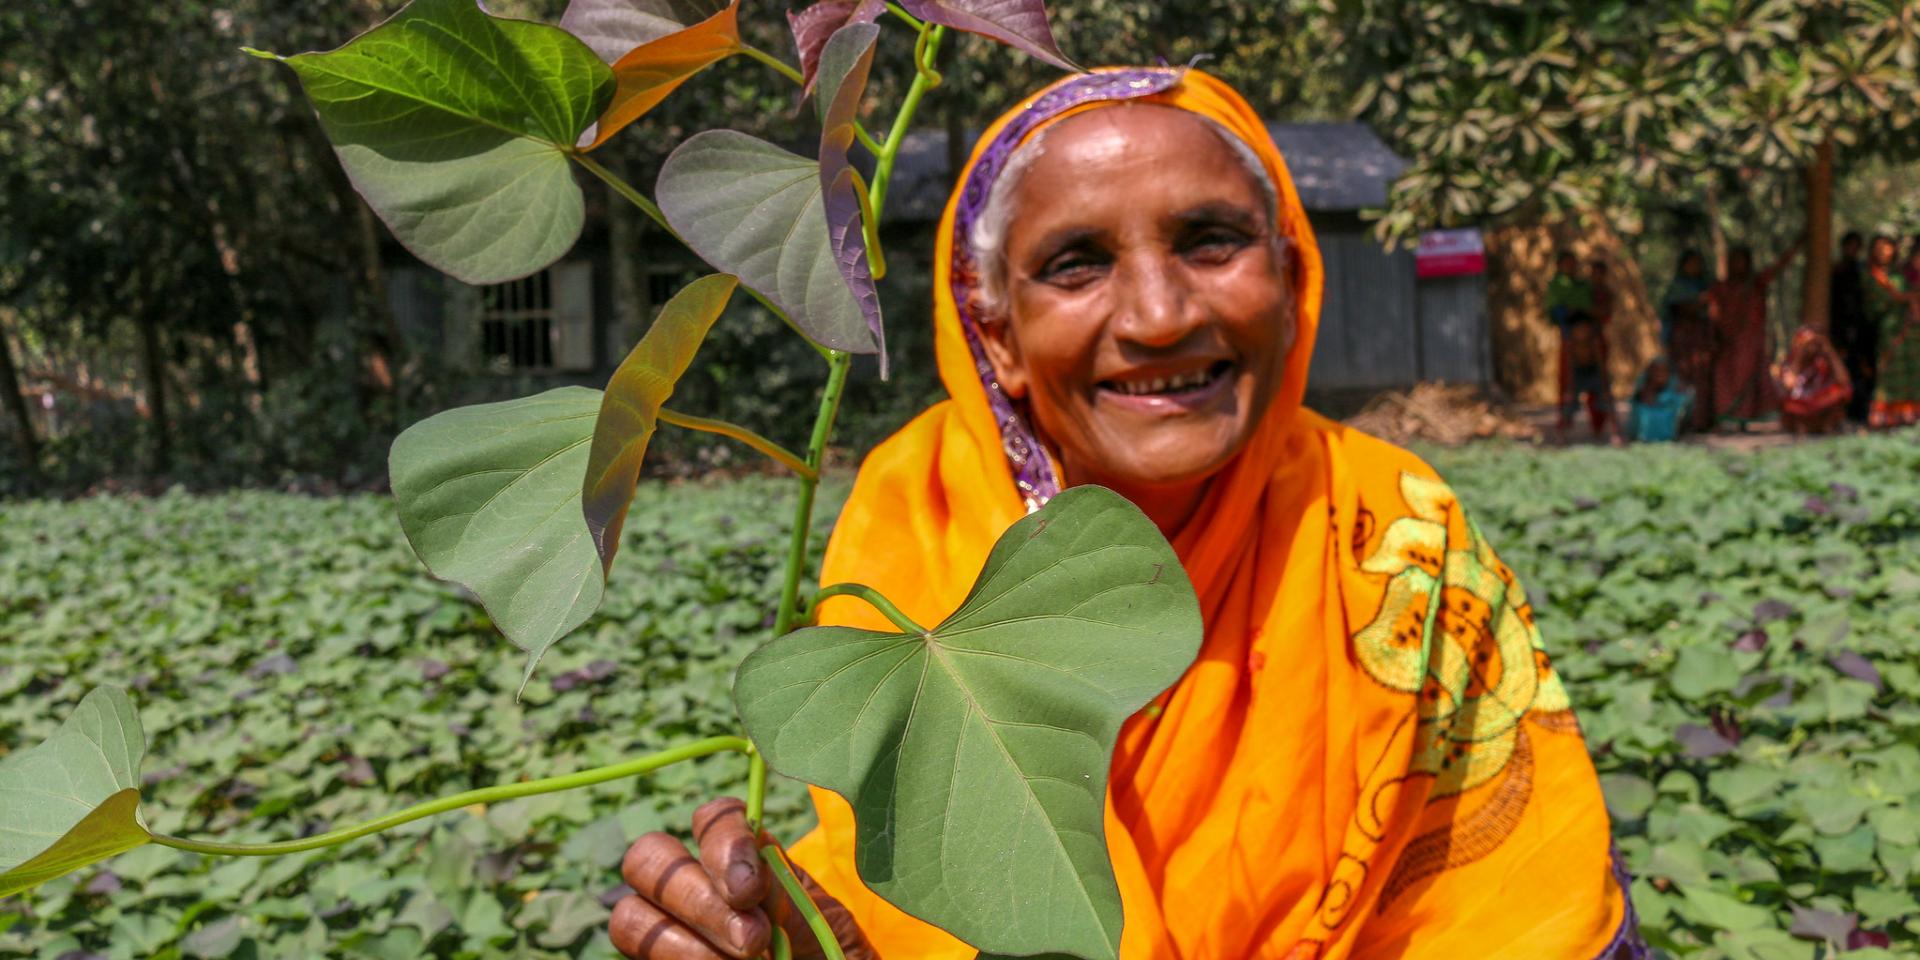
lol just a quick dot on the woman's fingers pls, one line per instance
(730, 853)
(641, 931)
(660, 870)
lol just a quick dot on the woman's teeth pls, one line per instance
(1173, 384)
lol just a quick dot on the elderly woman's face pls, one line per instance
(1149, 298)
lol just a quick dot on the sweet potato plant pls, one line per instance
(461, 129)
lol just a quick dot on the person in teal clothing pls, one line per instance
(1660, 404)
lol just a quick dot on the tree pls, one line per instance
(1520, 111)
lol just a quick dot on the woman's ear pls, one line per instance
(1002, 346)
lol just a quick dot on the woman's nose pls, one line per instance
(1156, 308)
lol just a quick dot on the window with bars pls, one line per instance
(541, 323)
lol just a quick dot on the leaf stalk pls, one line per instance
(510, 791)
(734, 431)
(873, 597)
(822, 931)
(785, 69)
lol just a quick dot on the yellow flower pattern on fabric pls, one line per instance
(1455, 630)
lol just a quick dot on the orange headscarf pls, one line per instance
(1371, 758)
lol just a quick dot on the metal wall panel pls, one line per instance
(1367, 323)
(1453, 329)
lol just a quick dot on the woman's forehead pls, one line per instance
(1136, 152)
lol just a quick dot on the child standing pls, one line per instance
(1584, 358)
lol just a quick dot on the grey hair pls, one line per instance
(988, 239)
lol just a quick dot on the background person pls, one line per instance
(1814, 387)
(1688, 336)
(1742, 389)
(1854, 335)
(1660, 404)
(1891, 304)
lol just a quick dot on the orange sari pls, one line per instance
(1372, 756)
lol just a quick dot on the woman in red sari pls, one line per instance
(1742, 389)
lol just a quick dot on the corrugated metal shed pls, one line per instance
(1337, 166)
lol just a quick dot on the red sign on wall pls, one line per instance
(1450, 253)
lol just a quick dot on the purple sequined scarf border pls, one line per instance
(1032, 471)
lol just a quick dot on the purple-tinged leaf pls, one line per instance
(431, 670)
(1021, 24)
(813, 26)
(1868, 939)
(1783, 699)
(1753, 641)
(1858, 667)
(599, 670)
(359, 773)
(614, 894)
(612, 28)
(277, 665)
(1842, 491)
(1701, 743)
(756, 211)
(103, 883)
(1767, 611)
(566, 681)
(1726, 725)
(844, 66)
(1816, 506)
(1811, 924)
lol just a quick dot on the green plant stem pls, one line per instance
(923, 81)
(901, 12)
(625, 189)
(756, 790)
(782, 947)
(837, 365)
(638, 199)
(873, 597)
(823, 931)
(866, 139)
(785, 69)
(782, 455)
(571, 781)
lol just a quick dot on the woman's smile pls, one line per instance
(1171, 389)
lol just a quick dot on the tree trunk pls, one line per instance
(17, 405)
(153, 360)
(1814, 290)
(1526, 346)
(1716, 234)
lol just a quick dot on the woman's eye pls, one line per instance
(1073, 268)
(1215, 246)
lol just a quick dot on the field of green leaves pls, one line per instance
(1738, 630)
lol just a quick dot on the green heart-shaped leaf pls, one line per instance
(455, 125)
(630, 409)
(489, 497)
(756, 211)
(74, 799)
(975, 754)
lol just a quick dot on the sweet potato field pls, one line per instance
(1738, 630)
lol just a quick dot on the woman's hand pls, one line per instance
(721, 905)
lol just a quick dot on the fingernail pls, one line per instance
(741, 931)
(740, 876)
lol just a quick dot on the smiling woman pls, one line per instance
(1373, 756)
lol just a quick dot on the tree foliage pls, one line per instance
(1508, 107)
